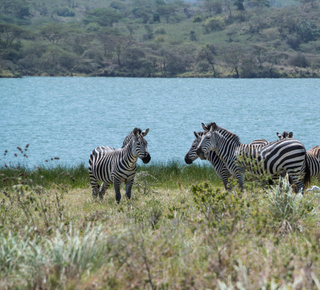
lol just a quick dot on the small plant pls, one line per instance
(222, 210)
(289, 209)
(142, 181)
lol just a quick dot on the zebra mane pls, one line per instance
(224, 132)
(129, 137)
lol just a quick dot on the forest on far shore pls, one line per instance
(160, 38)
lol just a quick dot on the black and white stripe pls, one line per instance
(113, 166)
(312, 155)
(218, 165)
(287, 155)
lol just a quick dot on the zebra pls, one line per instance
(315, 151)
(312, 156)
(113, 166)
(218, 165)
(284, 135)
(287, 155)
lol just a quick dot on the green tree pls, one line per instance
(102, 16)
(53, 32)
(208, 53)
(10, 33)
(166, 11)
(258, 3)
(233, 55)
(239, 5)
(307, 31)
(213, 6)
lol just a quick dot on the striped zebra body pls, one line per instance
(315, 151)
(287, 155)
(218, 165)
(114, 166)
(314, 162)
(312, 155)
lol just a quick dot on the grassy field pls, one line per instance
(180, 230)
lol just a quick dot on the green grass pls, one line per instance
(179, 230)
(167, 175)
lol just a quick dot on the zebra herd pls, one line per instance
(222, 148)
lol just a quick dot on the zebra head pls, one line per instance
(192, 153)
(284, 135)
(140, 145)
(129, 137)
(208, 140)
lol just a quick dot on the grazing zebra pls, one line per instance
(312, 156)
(113, 166)
(287, 155)
(218, 165)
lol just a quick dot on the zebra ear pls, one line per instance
(204, 127)
(136, 131)
(279, 136)
(144, 133)
(213, 126)
(290, 135)
(196, 134)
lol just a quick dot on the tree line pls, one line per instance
(144, 38)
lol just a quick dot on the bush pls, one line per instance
(214, 24)
(65, 12)
(299, 60)
(289, 209)
(197, 18)
(160, 30)
(223, 210)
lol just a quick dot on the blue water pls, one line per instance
(68, 117)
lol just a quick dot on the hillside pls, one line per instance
(142, 38)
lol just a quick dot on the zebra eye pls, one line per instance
(138, 143)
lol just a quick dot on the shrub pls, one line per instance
(159, 39)
(197, 18)
(65, 12)
(160, 30)
(214, 24)
(287, 208)
(222, 210)
(299, 60)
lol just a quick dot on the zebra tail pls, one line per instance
(307, 176)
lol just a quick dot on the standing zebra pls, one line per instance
(218, 165)
(312, 156)
(111, 165)
(287, 155)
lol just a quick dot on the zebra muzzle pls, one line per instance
(146, 159)
(187, 159)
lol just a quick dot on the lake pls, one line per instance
(69, 117)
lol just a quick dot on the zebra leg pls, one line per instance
(240, 179)
(103, 189)
(128, 188)
(95, 185)
(297, 182)
(116, 184)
